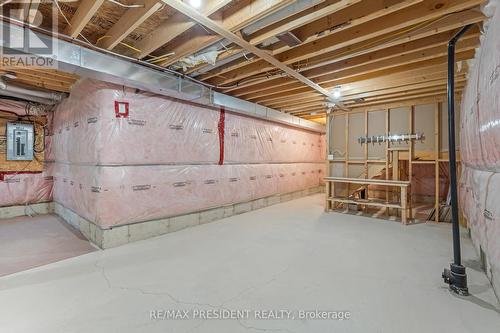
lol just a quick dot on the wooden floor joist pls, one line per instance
(373, 51)
(222, 31)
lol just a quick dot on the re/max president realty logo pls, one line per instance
(25, 34)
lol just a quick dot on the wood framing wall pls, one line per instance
(401, 161)
(36, 165)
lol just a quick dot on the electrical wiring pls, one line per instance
(67, 21)
(131, 59)
(126, 6)
(121, 43)
(357, 51)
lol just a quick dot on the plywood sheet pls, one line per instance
(338, 137)
(399, 124)
(19, 166)
(376, 126)
(356, 130)
(424, 123)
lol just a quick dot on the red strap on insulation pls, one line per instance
(221, 128)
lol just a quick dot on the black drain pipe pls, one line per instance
(456, 276)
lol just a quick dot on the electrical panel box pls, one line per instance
(20, 138)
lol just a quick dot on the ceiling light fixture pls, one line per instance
(195, 3)
(336, 92)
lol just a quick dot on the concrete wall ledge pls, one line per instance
(26, 210)
(119, 235)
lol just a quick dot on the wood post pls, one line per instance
(437, 126)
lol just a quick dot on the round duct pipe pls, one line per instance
(26, 97)
(34, 95)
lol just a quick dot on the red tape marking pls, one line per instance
(221, 127)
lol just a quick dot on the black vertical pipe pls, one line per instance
(451, 144)
(456, 276)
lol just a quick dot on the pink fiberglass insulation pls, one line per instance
(423, 181)
(160, 156)
(114, 195)
(250, 140)
(480, 142)
(157, 130)
(11, 106)
(153, 129)
(480, 203)
(26, 188)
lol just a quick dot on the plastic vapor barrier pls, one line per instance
(480, 142)
(124, 194)
(250, 140)
(103, 124)
(26, 188)
(123, 156)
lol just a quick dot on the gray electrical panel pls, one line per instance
(20, 138)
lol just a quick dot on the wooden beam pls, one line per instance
(222, 31)
(402, 54)
(84, 13)
(347, 18)
(174, 27)
(390, 105)
(402, 80)
(384, 101)
(352, 77)
(386, 81)
(132, 18)
(376, 98)
(291, 25)
(392, 23)
(234, 19)
(295, 21)
(28, 11)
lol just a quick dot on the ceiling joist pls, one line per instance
(222, 31)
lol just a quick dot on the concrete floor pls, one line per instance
(27, 242)
(289, 256)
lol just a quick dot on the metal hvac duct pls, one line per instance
(107, 66)
(44, 97)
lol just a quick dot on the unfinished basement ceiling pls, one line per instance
(390, 52)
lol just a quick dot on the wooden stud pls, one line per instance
(411, 147)
(437, 123)
(329, 191)
(387, 154)
(404, 209)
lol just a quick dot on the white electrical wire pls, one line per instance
(124, 5)
(67, 21)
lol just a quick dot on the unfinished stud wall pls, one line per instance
(424, 162)
(23, 182)
(169, 158)
(480, 140)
